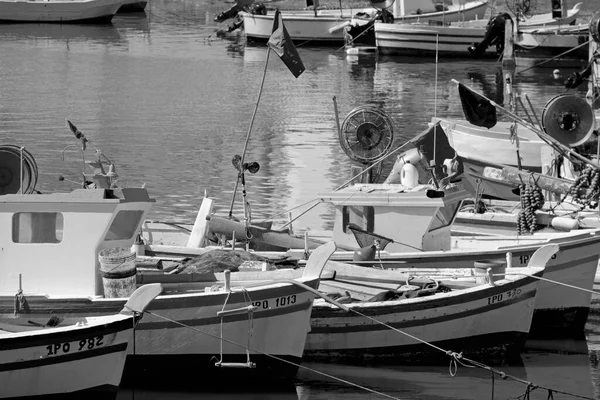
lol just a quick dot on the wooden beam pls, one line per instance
(516, 176)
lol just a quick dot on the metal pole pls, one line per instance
(21, 151)
(249, 131)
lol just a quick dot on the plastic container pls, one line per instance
(410, 176)
(118, 272)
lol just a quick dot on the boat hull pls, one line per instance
(575, 264)
(473, 322)
(93, 357)
(328, 27)
(90, 11)
(471, 141)
(187, 325)
(418, 39)
(545, 43)
(454, 40)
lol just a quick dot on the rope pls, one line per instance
(555, 57)
(273, 357)
(456, 358)
(551, 281)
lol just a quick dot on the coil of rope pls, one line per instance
(10, 170)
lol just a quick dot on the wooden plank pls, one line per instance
(201, 224)
(516, 176)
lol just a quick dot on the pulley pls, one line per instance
(366, 134)
(569, 119)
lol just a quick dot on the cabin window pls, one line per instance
(37, 227)
(124, 225)
(363, 217)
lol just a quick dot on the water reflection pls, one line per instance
(37, 34)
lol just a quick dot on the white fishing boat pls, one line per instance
(477, 320)
(77, 356)
(326, 26)
(472, 142)
(472, 314)
(59, 11)
(455, 39)
(84, 239)
(410, 227)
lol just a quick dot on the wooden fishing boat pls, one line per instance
(367, 312)
(554, 36)
(327, 26)
(59, 11)
(410, 227)
(477, 320)
(70, 356)
(84, 239)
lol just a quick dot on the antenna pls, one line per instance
(432, 162)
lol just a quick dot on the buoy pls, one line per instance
(556, 73)
(564, 223)
(410, 175)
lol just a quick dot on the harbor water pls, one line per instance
(171, 103)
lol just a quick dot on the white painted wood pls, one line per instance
(57, 10)
(325, 26)
(84, 373)
(200, 228)
(462, 319)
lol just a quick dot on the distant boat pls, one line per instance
(59, 11)
(67, 356)
(130, 6)
(327, 26)
(455, 39)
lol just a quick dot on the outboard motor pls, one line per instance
(364, 34)
(228, 14)
(494, 35)
(577, 78)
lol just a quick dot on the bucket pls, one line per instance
(118, 271)
(480, 270)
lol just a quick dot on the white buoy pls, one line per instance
(410, 175)
(564, 223)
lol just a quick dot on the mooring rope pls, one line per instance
(554, 58)
(455, 358)
(541, 278)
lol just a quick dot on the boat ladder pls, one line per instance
(235, 311)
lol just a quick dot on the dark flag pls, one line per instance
(312, 3)
(433, 143)
(477, 109)
(78, 135)
(282, 44)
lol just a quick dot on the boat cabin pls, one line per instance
(403, 219)
(49, 243)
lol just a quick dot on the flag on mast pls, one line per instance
(281, 43)
(477, 109)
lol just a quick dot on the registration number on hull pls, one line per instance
(497, 298)
(71, 347)
(275, 303)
